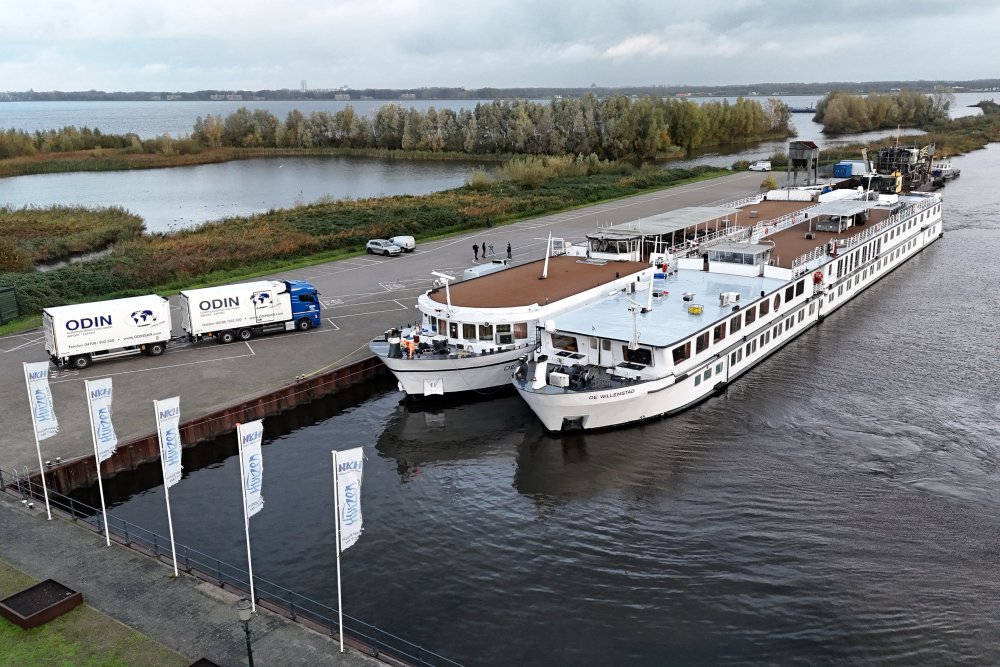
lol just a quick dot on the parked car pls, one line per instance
(761, 165)
(382, 247)
(405, 243)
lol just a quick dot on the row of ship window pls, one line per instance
(736, 356)
(682, 352)
(763, 339)
(502, 334)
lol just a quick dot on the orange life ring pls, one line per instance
(818, 277)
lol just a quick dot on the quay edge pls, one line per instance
(68, 476)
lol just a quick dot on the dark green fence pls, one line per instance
(8, 305)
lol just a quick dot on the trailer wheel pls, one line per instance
(245, 334)
(227, 337)
(305, 324)
(155, 349)
(80, 362)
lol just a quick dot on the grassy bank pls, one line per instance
(34, 235)
(83, 637)
(241, 247)
(124, 159)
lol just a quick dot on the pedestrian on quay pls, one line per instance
(492, 251)
(509, 255)
(484, 249)
(475, 252)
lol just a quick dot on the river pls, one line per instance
(838, 505)
(170, 199)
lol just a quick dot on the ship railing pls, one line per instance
(752, 200)
(278, 599)
(846, 244)
(694, 246)
(768, 227)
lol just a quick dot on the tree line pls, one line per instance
(840, 112)
(612, 128)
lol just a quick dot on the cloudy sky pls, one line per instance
(186, 45)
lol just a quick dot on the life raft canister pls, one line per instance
(818, 277)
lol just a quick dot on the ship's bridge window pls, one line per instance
(642, 356)
(563, 342)
(605, 344)
(504, 335)
(486, 332)
(520, 330)
(682, 352)
(469, 331)
(701, 342)
(800, 287)
(736, 323)
(751, 315)
(765, 308)
(720, 332)
(453, 330)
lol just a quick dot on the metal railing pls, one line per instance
(209, 568)
(848, 243)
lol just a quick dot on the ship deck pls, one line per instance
(669, 320)
(523, 285)
(791, 242)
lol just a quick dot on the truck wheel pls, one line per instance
(304, 324)
(227, 337)
(155, 349)
(245, 334)
(80, 362)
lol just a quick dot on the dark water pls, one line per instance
(839, 505)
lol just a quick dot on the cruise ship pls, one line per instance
(669, 342)
(473, 332)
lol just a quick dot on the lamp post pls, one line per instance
(243, 609)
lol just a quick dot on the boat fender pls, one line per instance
(818, 277)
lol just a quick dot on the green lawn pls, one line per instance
(82, 638)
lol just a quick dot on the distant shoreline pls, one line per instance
(453, 94)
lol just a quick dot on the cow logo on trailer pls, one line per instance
(144, 318)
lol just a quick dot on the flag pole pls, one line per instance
(246, 518)
(166, 487)
(336, 523)
(97, 461)
(38, 446)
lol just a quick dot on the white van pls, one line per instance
(406, 243)
(761, 165)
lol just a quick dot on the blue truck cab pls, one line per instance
(305, 303)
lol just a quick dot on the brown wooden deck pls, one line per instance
(791, 243)
(522, 285)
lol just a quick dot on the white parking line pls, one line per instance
(333, 324)
(22, 345)
(371, 312)
(160, 368)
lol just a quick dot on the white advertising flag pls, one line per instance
(168, 420)
(42, 411)
(250, 437)
(99, 394)
(348, 471)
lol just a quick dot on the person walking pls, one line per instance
(484, 249)
(509, 255)
(475, 252)
(492, 251)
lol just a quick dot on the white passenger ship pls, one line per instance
(472, 333)
(688, 334)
